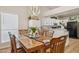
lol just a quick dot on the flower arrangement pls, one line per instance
(33, 32)
(33, 29)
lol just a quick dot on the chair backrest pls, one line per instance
(57, 45)
(13, 43)
(46, 32)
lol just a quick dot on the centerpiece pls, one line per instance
(33, 32)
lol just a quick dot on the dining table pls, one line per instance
(38, 43)
(31, 45)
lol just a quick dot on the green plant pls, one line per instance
(33, 29)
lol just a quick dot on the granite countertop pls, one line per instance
(59, 32)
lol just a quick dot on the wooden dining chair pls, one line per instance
(49, 37)
(57, 45)
(14, 48)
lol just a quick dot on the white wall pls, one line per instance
(20, 11)
(35, 23)
(23, 12)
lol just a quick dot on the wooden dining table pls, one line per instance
(31, 45)
(35, 44)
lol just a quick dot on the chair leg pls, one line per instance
(11, 51)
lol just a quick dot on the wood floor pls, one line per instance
(72, 48)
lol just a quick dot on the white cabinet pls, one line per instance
(48, 21)
(8, 23)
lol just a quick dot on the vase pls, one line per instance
(33, 35)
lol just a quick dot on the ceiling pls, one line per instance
(69, 13)
(47, 8)
(44, 9)
(63, 14)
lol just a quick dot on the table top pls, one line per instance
(42, 38)
(30, 43)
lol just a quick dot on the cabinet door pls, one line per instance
(5, 35)
(9, 21)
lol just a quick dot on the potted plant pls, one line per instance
(33, 29)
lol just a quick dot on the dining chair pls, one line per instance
(48, 39)
(57, 45)
(14, 48)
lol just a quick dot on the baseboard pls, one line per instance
(4, 45)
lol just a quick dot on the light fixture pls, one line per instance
(35, 11)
